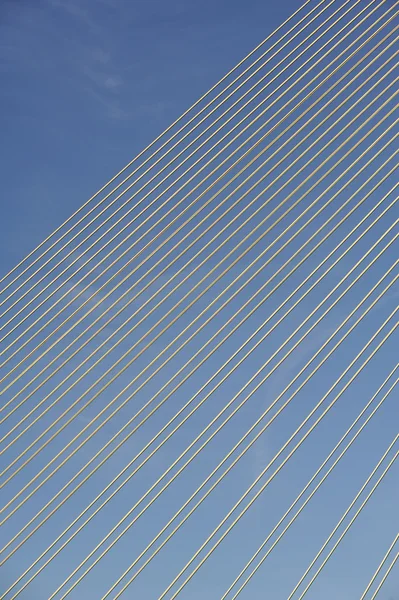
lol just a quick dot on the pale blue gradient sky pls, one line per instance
(86, 85)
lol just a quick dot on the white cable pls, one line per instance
(184, 407)
(314, 491)
(342, 519)
(259, 420)
(374, 577)
(106, 342)
(231, 415)
(165, 166)
(163, 351)
(202, 387)
(330, 455)
(202, 279)
(68, 592)
(42, 342)
(149, 545)
(78, 448)
(154, 142)
(134, 297)
(259, 492)
(391, 566)
(183, 199)
(319, 470)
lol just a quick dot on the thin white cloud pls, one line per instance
(77, 11)
(88, 57)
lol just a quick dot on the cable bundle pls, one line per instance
(198, 367)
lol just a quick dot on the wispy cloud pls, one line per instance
(74, 10)
(91, 58)
(83, 58)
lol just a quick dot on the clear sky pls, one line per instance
(85, 86)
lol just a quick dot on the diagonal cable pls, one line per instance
(217, 180)
(225, 364)
(165, 349)
(155, 141)
(250, 430)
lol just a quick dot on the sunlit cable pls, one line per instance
(134, 314)
(258, 493)
(308, 208)
(380, 566)
(342, 520)
(341, 38)
(257, 422)
(155, 141)
(219, 370)
(157, 173)
(391, 566)
(316, 488)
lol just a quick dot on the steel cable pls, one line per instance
(154, 142)
(342, 520)
(187, 376)
(263, 487)
(154, 295)
(236, 410)
(164, 350)
(351, 329)
(314, 491)
(380, 566)
(152, 179)
(180, 201)
(369, 349)
(107, 340)
(41, 343)
(391, 566)
(213, 350)
(221, 477)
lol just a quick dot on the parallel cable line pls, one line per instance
(278, 285)
(202, 387)
(154, 295)
(107, 295)
(290, 226)
(342, 520)
(199, 185)
(380, 566)
(82, 291)
(163, 270)
(145, 564)
(119, 340)
(263, 487)
(184, 521)
(374, 258)
(324, 345)
(306, 487)
(164, 529)
(130, 318)
(209, 354)
(251, 393)
(154, 142)
(391, 566)
(314, 491)
(185, 160)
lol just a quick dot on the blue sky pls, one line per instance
(87, 85)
